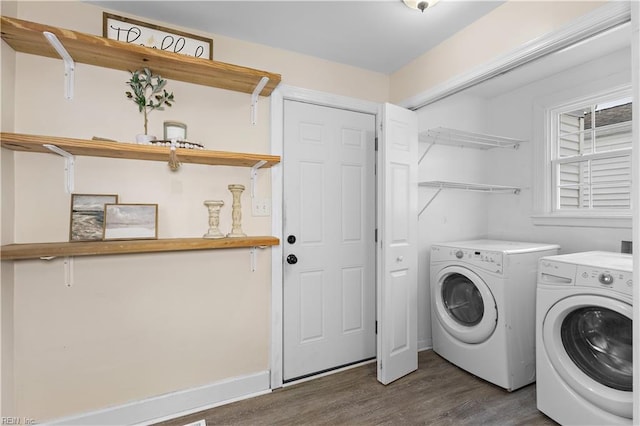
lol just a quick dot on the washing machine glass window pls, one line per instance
(464, 305)
(462, 300)
(599, 341)
(571, 374)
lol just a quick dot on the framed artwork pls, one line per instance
(175, 130)
(129, 30)
(87, 216)
(130, 221)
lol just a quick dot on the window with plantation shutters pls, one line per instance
(591, 156)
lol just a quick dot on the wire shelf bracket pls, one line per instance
(424, 154)
(430, 201)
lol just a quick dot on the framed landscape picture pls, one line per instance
(87, 216)
(130, 221)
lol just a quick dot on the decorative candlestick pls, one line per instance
(236, 212)
(214, 218)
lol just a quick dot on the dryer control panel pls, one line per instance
(485, 259)
(621, 281)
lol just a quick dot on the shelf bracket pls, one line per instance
(69, 64)
(68, 268)
(69, 163)
(424, 154)
(254, 98)
(68, 271)
(254, 176)
(430, 201)
(252, 254)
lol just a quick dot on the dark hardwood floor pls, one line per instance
(438, 393)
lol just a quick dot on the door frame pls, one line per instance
(278, 96)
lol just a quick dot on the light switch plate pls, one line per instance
(261, 206)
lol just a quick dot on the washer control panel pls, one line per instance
(621, 281)
(487, 260)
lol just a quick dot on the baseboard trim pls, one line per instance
(425, 345)
(174, 404)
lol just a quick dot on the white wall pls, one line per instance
(512, 114)
(452, 215)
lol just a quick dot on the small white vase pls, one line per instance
(144, 139)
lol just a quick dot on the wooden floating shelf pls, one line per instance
(82, 147)
(26, 37)
(101, 248)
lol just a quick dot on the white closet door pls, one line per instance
(398, 251)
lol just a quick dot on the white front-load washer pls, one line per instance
(584, 338)
(483, 307)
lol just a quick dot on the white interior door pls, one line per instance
(398, 251)
(329, 244)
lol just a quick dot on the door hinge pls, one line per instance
(376, 235)
(376, 145)
(376, 327)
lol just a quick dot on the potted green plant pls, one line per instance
(148, 92)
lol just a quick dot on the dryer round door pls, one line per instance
(464, 305)
(588, 340)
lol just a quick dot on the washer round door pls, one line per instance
(464, 305)
(588, 340)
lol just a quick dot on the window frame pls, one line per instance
(546, 114)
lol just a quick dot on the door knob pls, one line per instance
(292, 259)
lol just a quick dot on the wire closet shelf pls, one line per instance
(454, 137)
(470, 186)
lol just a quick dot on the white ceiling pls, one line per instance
(377, 35)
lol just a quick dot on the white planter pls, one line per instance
(144, 139)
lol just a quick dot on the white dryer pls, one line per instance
(584, 338)
(483, 307)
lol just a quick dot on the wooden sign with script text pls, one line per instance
(131, 31)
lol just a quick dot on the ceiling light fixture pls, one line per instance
(420, 5)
